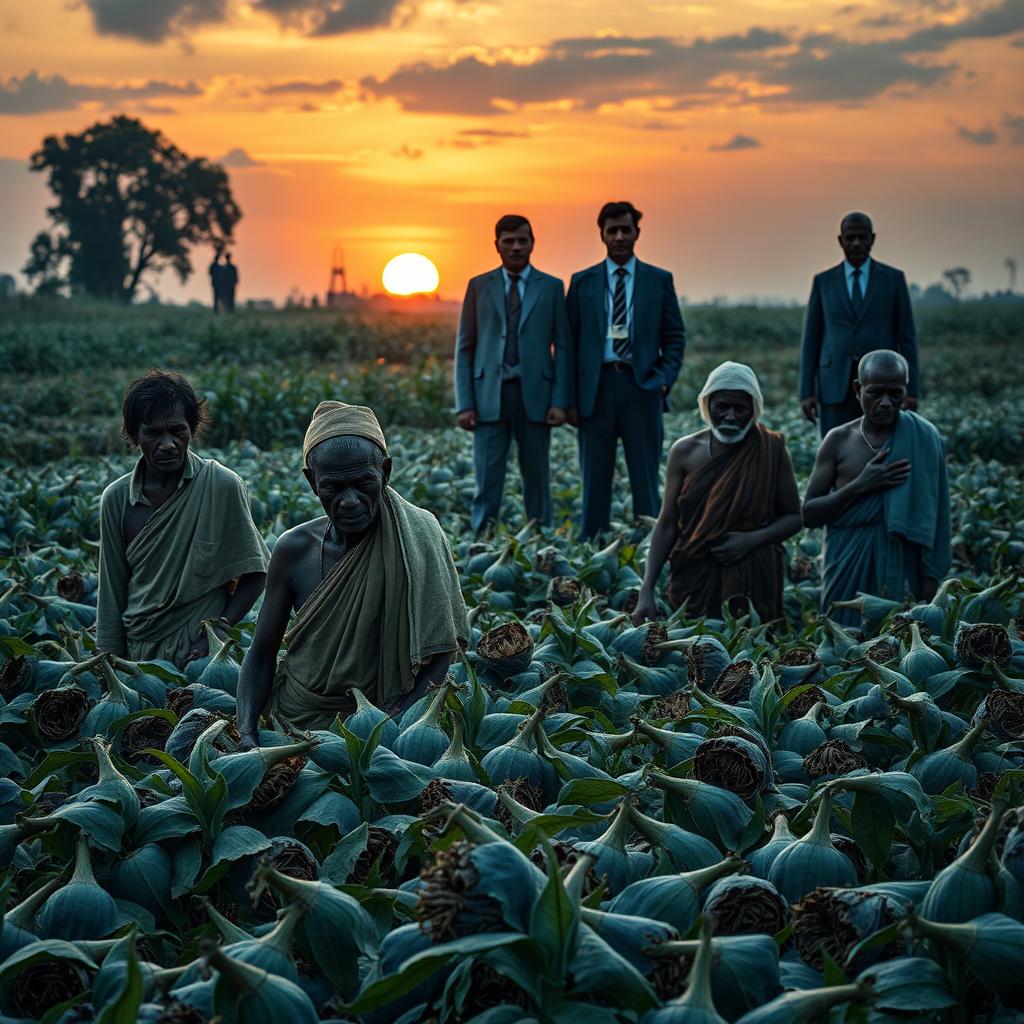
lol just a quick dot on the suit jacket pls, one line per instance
(545, 359)
(835, 337)
(657, 334)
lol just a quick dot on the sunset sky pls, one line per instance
(743, 130)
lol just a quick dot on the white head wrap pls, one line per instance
(730, 376)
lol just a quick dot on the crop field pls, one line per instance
(587, 821)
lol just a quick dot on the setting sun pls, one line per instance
(410, 274)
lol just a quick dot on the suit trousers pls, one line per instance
(623, 410)
(491, 442)
(830, 416)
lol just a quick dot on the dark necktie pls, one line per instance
(620, 345)
(512, 308)
(856, 295)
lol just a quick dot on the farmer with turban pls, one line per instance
(880, 489)
(375, 594)
(730, 500)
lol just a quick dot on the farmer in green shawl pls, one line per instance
(879, 487)
(177, 540)
(372, 585)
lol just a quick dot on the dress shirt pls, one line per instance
(514, 372)
(610, 355)
(865, 272)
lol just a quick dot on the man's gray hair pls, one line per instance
(882, 360)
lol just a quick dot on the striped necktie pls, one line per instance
(620, 345)
(512, 311)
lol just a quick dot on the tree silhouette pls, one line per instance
(1011, 268)
(959, 278)
(129, 203)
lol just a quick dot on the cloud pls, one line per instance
(978, 136)
(302, 87)
(738, 141)
(238, 159)
(585, 72)
(492, 133)
(153, 21)
(34, 94)
(1014, 125)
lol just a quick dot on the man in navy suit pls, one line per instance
(859, 306)
(628, 339)
(513, 372)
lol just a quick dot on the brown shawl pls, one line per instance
(734, 491)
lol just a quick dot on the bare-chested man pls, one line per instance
(879, 487)
(177, 540)
(372, 584)
(730, 500)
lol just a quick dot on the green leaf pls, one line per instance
(338, 866)
(187, 863)
(554, 921)
(419, 967)
(873, 823)
(101, 821)
(125, 1008)
(15, 647)
(591, 791)
(833, 973)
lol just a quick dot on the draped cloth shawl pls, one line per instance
(885, 543)
(390, 604)
(183, 557)
(734, 491)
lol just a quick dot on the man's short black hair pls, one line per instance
(511, 222)
(159, 392)
(618, 209)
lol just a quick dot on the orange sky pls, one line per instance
(743, 130)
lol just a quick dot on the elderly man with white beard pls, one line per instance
(730, 501)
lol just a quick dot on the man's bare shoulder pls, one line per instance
(688, 450)
(839, 437)
(299, 540)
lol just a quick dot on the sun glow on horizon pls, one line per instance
(410, 273)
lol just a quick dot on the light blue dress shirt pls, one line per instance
(513, 372)
(865, 273)
(610, 355)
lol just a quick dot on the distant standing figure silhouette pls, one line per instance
(217, 281)
(230, 279)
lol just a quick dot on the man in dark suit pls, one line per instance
(628, 339)
(859, 306)
(229, 283)
(513, 372)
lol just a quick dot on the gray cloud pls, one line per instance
(738, 141)
(153, 21)
(993, 22)
(1014, 125)
(301, 87)
(816, 68)
(34, 94)
(978, 136)
(588, 71)
(238, 159)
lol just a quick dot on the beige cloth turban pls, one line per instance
(336, 419)
(730, 376)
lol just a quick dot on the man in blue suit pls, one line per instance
(513, 372)
(859, 306)
(628, 339)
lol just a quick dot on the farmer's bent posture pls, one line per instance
(879, 488)
(177, 540)
(730, 500)
(375, 592)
